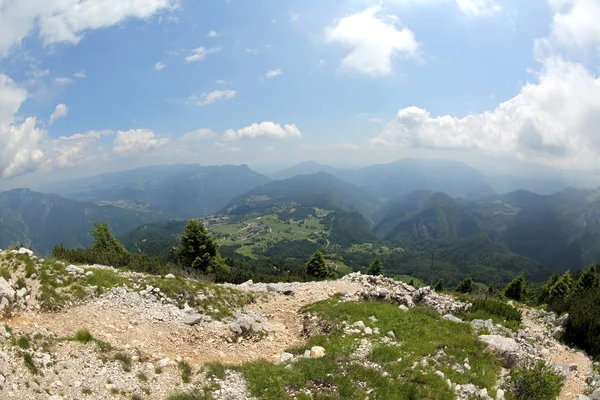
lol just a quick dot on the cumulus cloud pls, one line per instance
(159, 66)
(554, 121)
(212, 97)
(66, 20)
(213, 34)
(263, 130)
(60, 111)
(273, 73)
(574, 26)
(200, 53)
(19, 150)
(137, 141)
(374, 40)
(80, 74)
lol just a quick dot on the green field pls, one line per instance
(264, 231)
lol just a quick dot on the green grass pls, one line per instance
(28, 360)
(142, 377)
(186, 371)
(195, 395)
(495, 309)
(23, 342)
(420, 333)
(4, 273)
(125, 360)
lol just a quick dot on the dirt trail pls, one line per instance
(562, 354)
(129, 328)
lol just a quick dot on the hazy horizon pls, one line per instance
(508, 87)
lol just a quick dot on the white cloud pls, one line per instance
(575, 25)
(265, 130)
(374, 41)
(222, 82)
(159, 66)
(294, 16)
(553, 122)
(62, 81)
(200, 53)
(19, 149)
(321, 63)
(58, 21)
(252, 51)
(472, 8)
(137, 141)
(273, 73)
(60, 111)
(80, 74)
(212, 97)
(213, 34)
(197, 134)
(270, 148)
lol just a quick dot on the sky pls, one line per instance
(90, 86)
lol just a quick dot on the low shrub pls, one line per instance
(583, 325)
(533, 381)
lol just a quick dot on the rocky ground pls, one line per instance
(146, 342)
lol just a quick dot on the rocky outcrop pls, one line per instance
(507, 348)
(385, 289)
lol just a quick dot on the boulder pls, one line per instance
(480, 324)
(23, 250)
(285, 357)
(562, 321)
(506, 348)
(280, 288)
(6, 290)
(245, 326)
(450, 317)
(169, 276)
(193, 319)
(73, 269)
(317, 352)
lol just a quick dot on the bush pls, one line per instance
(533, 381)
(376, 267)
(466, 286)
(439, 287)
(497, 307)
(583, 325)
(516, 289)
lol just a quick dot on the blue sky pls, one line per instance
(99, 85)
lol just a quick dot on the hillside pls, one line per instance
(320, 190)
(96, 332)
(425, 215)
(559, 230)
(42, 221)
(177, 191)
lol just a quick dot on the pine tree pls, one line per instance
(466, 286)
(198, 250)
(439, 287)
(316, 266)
(376, 267)
(587, 280)
(104, 240)
(516, 289)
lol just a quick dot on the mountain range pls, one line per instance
(415, 205)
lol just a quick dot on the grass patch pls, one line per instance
(195, 395)
(23, 342)
(84, 336)
(142, 377)
(420, 333)
(28, 360)
(4, 273)
(495, 309)
(186, 371)
(125, 360)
